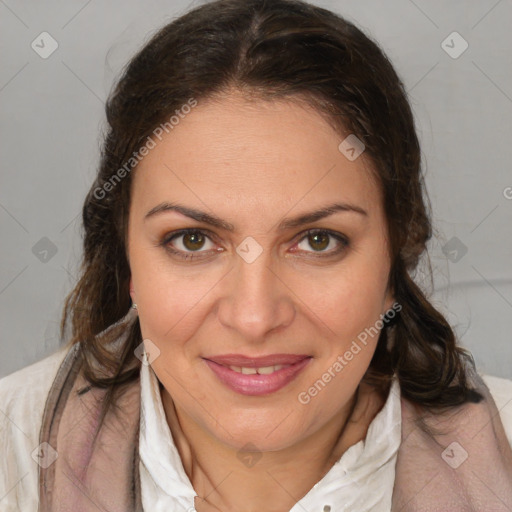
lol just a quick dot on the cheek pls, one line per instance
(345, 301)
(170, 311)
(166, 291)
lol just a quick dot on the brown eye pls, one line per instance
(188, 241)
(320, 240)
(193, 241)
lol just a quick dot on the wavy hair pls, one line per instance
(270, 50)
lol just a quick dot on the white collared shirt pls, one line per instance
(362, 479)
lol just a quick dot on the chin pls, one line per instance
(266, 438)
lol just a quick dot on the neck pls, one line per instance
(227, 479)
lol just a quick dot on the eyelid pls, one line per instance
(339, 237)
(167, 238)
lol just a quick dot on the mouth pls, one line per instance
(257, 375)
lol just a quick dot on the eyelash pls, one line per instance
(167, 239)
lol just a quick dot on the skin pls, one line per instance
(254, 163)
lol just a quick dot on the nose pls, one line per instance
(256, 300)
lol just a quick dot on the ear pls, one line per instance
(132, 291)
(389, 300)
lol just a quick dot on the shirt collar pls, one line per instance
(160, 460)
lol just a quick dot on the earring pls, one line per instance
(134, 306)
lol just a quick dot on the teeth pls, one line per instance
(266, 370)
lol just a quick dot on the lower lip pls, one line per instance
(256, 384)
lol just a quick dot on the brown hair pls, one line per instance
(279, 49)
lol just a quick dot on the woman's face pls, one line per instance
(254, 284)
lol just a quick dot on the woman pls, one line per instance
(246, 334)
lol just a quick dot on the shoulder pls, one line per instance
(501, 391)
(22, 402)
(25, 390)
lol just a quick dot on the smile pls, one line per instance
(257, 380)
(265, 370)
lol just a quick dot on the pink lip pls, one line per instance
(256, 384)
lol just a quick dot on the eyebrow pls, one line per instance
(285, 224)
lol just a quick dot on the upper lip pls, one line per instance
(257, 362)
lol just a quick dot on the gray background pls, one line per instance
(52, 119)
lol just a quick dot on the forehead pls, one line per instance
(230, 150)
